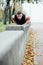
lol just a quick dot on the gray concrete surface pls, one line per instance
(18, 27)
(38, 43)
(12, 45)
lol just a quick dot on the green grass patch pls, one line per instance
(2, 27)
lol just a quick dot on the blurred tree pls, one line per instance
(29, 1)
(13, 7)
(22, 1)
(7, 12)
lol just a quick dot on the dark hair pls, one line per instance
(19, 12)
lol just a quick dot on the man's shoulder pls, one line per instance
(23, 15)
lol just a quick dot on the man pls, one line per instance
(20, 18)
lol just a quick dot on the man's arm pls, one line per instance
(13, 19)
(27, 19)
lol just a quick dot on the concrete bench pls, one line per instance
(25, 28)
(11, 47)
(18, 27)
(12, 44)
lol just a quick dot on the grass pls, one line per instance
(2, 26)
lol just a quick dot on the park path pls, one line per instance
(38, 42)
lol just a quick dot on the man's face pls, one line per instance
(19, 16)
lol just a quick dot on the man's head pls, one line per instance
(19, 15)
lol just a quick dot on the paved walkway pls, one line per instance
(38, 30)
